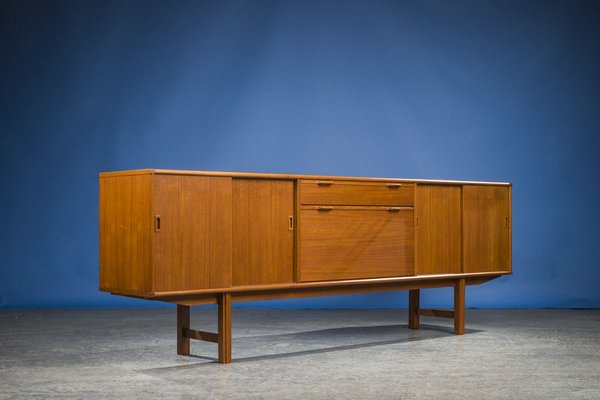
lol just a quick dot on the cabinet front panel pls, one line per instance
(192, 245)
(355, 242)
(263, 236)
(356, 193)
(438, 230)
(125, 229)
(486, 228)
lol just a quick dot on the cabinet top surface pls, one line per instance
(255, 175)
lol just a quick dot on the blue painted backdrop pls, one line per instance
(475, 90)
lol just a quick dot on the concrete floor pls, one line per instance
(301, 354)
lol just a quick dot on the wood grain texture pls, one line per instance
(486, 228)
(183, 324)
(459, 307)
(323, 289)
(193, 248)
(355, 243)
(224, 323)
(125, 229)
(509, 268)
(438, 229)
(194, 300)
(302, 291)
(201, 335)
(297, 231)
(263, 244)
(414, 296)
(338, 192)
(415, 281)
(260, 175)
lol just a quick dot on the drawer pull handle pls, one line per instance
(157, 223)
(320, 208)
(325, 183)
(394, 185)
(394, 209)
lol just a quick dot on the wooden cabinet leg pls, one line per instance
(459, 307)
(183, 322)
(413, 308)
(225, 328)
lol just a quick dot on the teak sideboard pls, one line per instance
(195, 237)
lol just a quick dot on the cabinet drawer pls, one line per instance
(356, 193)
(355, 242)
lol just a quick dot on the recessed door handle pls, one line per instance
(325, 183)
(321, 208)
(394, 185)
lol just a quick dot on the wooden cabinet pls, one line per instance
(486, 228)
(165, 232)
(195, 237)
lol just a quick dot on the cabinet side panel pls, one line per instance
(486, 228)
(125, 224)
(192, 248)
(438, 230)
(263, 246)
